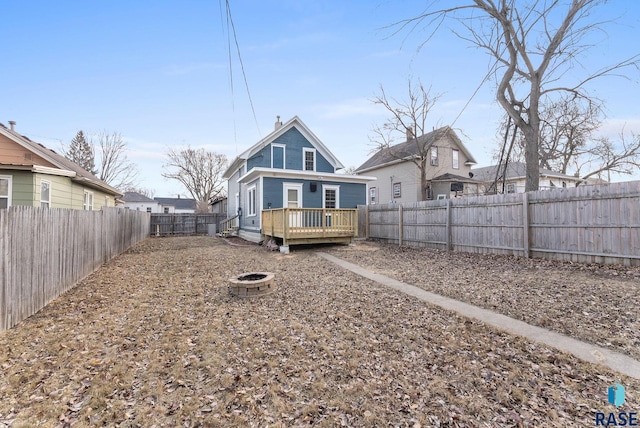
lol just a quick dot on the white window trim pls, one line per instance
(285, 187)
(441, 197)
(10, 188)
(306, 150)
(41, 200)
(455, 159)
(284, 155)
(393, 190)
(85, 201)
(375, 196)
(433, 160)
(324, 195)
(511, 186)
(250, 212)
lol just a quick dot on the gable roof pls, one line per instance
(63, 165)
(136, 197)
(178, 203)
(515, 170)
(453, 177)
(291, 123)
(410, 148)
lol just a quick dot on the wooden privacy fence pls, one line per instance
(184, 224)
(591, 224)
(44, 252)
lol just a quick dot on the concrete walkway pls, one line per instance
(582, 350)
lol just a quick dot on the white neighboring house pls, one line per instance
(177, 205)
(398, 177)
(138, 202)
(515, 178)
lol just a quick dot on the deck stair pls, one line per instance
(229, 227)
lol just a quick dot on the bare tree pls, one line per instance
(115, 168)
(199, 171)
(568, 145)
(408, 121)
(606, 157)
(533, 46)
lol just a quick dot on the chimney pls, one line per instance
(410, 135)
(278, 124)
(12, 124)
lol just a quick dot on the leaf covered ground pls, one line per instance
(153, 338)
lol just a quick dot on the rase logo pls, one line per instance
(615, 396)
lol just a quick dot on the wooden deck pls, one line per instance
(310, 225)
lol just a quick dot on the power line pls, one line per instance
(230, 25)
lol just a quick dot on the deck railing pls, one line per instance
(304, 223)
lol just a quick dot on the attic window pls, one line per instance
(456, 159)
(27, 156)
(434, 156)
(309, 159)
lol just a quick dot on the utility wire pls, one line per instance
(244, 75)
(233, 105)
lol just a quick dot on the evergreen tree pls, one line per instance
(81, 153)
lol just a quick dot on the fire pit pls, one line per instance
(252, 284)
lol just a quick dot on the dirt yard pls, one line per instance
(153, 338)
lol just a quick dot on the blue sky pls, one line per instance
(157, 72)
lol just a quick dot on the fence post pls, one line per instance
(366, 221)
(525, 224)
(448, 227)
(400, 225)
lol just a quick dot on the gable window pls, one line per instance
(456, 159)
(5, 191)
(397, 190)
(434, 156)
(87, 201)
(309, 159)
(278, 156)
(251, 200)
(373, 195)
(330, 196)
(45, 194)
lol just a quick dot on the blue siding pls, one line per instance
(295, 142)
(262, 159)
(351, 194)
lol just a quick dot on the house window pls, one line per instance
(5, 191)
(45, 194)
(331, 196)
(148, 209)
(278, 156)
(434, 156)
(441, 197)
(87, 201)
(456, 159)
(166, 210)
(564, 184)
(309, 159)
(511, 187)
(372, 195)
(397, 190)
(251, 200)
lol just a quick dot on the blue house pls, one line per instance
(286, 187)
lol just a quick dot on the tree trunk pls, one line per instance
(423, 179)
